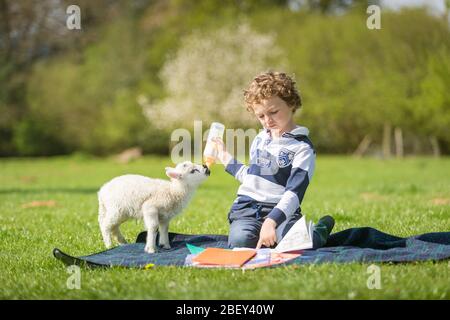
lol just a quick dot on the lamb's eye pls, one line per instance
(194, 170)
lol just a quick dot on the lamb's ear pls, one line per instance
(171, 173)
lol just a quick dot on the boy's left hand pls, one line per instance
(267, 235)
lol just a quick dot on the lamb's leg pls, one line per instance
(118, 235)
(107, 236)
(104, 224)
(151, 224)
(164, 234)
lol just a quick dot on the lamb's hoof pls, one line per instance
(166, 246)
(149, 249)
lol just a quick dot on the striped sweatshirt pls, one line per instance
(279, 172)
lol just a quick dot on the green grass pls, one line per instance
(402, 197)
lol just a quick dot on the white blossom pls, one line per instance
(206, 77)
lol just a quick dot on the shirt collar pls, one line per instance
(296, 132)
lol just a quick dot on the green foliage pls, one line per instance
(432, 108)
(34, 138)
(353, 80)
(86, 101)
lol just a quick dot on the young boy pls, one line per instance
(282, 160)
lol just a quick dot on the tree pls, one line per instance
(205, 79)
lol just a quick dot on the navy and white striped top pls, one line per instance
(279, 172)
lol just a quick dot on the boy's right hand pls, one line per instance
(222, 154)
(267, 235)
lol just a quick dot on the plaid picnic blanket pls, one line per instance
(352, 245)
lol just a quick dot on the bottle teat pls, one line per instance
(209, 161)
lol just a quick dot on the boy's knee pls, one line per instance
(242, 238)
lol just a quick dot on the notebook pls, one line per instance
(224, 257)
(299, 237)
(261, 259)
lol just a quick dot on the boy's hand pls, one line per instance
(267, 235)
(222, 153)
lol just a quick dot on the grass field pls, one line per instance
(404, 198)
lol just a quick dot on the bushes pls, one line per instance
(86, 102)
(354, 81)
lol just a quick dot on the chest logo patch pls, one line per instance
(285, 157)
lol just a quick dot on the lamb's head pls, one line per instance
(188, 173)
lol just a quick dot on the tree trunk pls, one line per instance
(387, 140)
(398, 135)
(363, 146)
(435, 146)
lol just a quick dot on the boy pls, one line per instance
(282, 160)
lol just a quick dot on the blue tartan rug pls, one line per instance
(352, 245)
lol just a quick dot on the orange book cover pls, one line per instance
(218, 256)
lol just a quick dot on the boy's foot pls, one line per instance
(322, 231)
(328, 221)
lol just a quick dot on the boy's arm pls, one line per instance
(236, 169)
(301, 173)
(233, 166)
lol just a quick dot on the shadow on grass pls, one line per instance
(49, 190)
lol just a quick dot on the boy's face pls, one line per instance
(274, 114)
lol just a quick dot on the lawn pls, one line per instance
(402, 197)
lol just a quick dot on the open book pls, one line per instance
(299, 237)
(268, 257)
(223, 257)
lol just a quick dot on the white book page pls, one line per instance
(310, 229)
(297, 238)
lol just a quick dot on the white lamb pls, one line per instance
(156, 201)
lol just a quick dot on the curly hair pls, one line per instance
(269, 84)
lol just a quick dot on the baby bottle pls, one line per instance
(210, 153)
